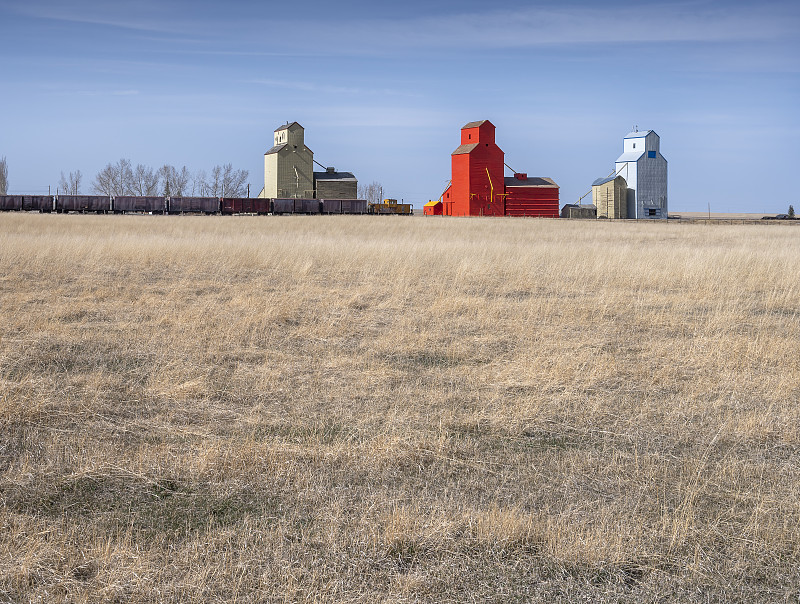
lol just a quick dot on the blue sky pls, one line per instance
(383, 90)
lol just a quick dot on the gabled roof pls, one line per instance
(461, 150)
(334, 176)
(433, 202)
(281, 147)
(474, 124)
(630, 156)
(287, 126)
(638, 134)
(533, 181)
(602, 181)
(276, 148)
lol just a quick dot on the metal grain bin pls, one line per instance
(147, 204)
(331, 206)
(283, 206)
(10, 202)
(193, 205)
(83, 203)
(40, 203)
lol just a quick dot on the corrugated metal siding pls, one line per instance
(532, 201)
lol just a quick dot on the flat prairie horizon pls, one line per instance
(384, 409)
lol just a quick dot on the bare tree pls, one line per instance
(3, 176)
(71, 185)
(144, 180)
(373, 192)
(234, 182)
(114, 179)
(199, 183)
(223, 181)
(174, 182)
(213, 186)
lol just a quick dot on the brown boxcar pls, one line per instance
(39, 203)
(331, 206)
(261, 205)
(283, 206)
(193, 205)
(306, 206)
(244, 205)
(354, 206)
(83, 203)
(231, 205)
(10, 202)
(131, 203)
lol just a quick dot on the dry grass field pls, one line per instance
(382, 409)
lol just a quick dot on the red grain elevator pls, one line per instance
(479, 188)
(477, 185)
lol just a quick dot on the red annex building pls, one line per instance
(479, 188)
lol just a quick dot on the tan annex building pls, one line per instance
(610, 196)
(289, 165)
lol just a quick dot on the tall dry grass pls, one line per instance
(382, 409)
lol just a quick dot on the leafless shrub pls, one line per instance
(372, 192)
(145, 181)
(114, 179)
(174, 181)
(70, 185)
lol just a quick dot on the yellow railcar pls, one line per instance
(390, 206)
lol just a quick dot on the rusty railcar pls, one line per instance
(193, 205)
(37, 203)
(141, 204)
(354, 206)
(283, 206)
(235, 205)
(262, 205)
(10, 203)
(306, 206)
(100, 204)
(245, 205)
(331, 206)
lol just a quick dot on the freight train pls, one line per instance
(124, 204)
(128, 204)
